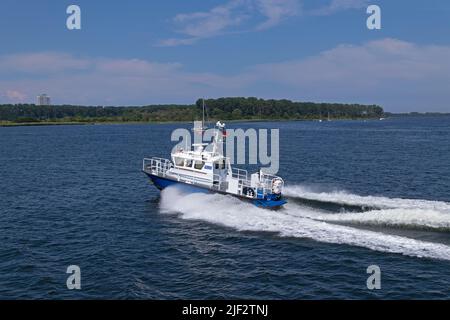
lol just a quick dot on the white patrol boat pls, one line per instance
(211, 171)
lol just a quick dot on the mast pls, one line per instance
(202, 127)
(203, 114)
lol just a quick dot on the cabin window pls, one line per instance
(199, 165)
(179, 161)
(220, 165)
(188, 163)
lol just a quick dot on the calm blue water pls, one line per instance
(360, 193)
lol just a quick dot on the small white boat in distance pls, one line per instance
(212, 172)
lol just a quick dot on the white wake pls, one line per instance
(410, 218)
(293, 221)
(346, 198)
(397, 212)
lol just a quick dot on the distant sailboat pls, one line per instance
(329, 119)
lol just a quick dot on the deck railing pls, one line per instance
(157, 166)
(267, 181)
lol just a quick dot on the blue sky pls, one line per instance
(146, 52)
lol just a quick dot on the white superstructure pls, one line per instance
(210, 169)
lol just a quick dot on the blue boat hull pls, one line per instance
(162, 183)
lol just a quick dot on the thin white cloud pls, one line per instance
(276, 10)
(96, 81)
(173, 42)
(340, 5)
(400, 75)
(14, 96)
(237, 16)
(397, 74)
(133, 67)
(364, 65)
(42, 62)
(205, 24)
(199, 25)
(228, 17)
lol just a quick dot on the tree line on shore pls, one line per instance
(216, 109)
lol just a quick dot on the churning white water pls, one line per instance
(304, 222)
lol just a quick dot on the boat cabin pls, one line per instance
(209, 167)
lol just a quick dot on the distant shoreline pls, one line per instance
(55, 123)
(87, 123)
(225, 109)
(74, 123)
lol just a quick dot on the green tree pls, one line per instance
(236, 114)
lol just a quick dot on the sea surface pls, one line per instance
(360, 193)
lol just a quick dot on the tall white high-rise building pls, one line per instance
(43, 100)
